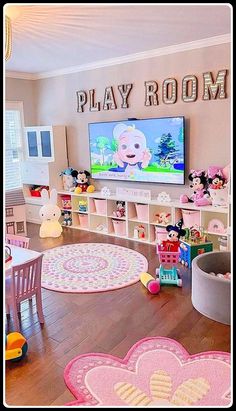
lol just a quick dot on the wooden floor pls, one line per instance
(109, 322)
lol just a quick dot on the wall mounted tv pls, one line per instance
(149, 150)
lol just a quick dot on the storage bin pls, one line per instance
(161, 234)
(100, 206)
(119, 227)
(191, 218)
(211, 295)
(83, 219)
(142, 211)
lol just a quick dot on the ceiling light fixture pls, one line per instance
(8, 35)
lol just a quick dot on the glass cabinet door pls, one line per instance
(45, 141)
(32, 143)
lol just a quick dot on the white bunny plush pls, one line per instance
(49, 214)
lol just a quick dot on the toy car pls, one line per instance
(16, 347)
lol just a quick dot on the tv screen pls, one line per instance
(149, 150)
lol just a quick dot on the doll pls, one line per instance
(120, 209)
(82, 182)
(200, 196)
(172, 243)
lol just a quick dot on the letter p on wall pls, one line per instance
(81, 100)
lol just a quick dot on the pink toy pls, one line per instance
(200, 196)
(150, 283)
(216, 177)
(120, 209)
(163, 218)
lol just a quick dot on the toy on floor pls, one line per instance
(82, 182)
(49, 214)
(169, 252)
(67, 218)
(150, 283)
(200, 196)
(68, 180)
(16, 347)
(120, 209)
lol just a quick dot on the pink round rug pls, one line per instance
(91, 267)
(156, 371)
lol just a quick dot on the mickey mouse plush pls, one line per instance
(200, 196)
(172, 243)
(82, 182)
(217, 180)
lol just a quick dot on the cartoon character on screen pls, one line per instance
(172, 243)
(200, 196)
(132, 153)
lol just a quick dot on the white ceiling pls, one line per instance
(53, 37)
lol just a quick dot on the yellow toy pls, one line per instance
(16, 347)
(82, 182)
(150, 283)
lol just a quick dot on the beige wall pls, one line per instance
(23, 90)
(207, 122)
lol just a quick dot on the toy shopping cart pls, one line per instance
(168, 274)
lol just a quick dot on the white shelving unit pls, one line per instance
(96, 220)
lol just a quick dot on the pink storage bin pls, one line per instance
(161, 233)
(83, 219)
(119, 227)
(100, 206)
(191, 218)
(142, 211)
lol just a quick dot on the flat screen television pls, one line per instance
(149, 150)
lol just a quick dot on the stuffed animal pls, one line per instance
(68, 179)
(200, 196)
(163, 218)
(82, 182)
(120, 209)
(67, 218)
(172, 243)
(50, 214)
(216, 179)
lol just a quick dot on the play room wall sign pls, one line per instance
(213, 88)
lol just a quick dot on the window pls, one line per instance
(13, 144)
(9, 212)
(20, 227)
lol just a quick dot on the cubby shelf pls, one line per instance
(132, 220)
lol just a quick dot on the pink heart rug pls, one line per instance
(155, 372)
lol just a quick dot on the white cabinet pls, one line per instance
(45, 151)
(39, 144)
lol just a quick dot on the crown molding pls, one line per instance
(192, 45)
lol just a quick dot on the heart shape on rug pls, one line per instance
(156, 371)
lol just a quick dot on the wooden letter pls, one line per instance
(92, 106)
(169, 84)
(109, 100)
(81, 100)
(124, 90)
(213, 89)
(151, 98)
(186, 97)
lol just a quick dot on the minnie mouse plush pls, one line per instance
(216, 178)
(172, 243)
(200, 196)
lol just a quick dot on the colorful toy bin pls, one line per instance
(66, 202)
(83, 219)
(191, 218)
(100, 206)
(119, 227)
(161, 234)
(193, 250)
(142, 211)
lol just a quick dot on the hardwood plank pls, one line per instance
(109, 322)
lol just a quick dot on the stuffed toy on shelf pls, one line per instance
(200, 196)
(67, 218)
(120, 209)
(82, 182)
(216, 179)
(68, 180)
